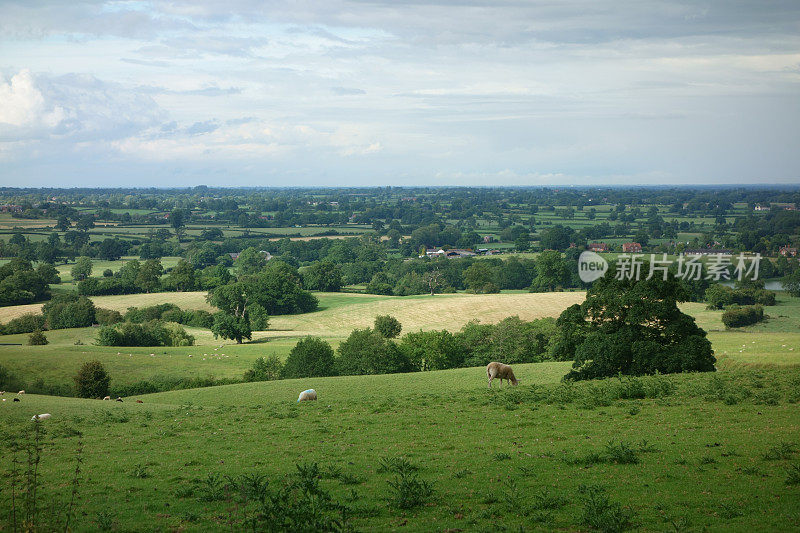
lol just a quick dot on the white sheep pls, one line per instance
(307, 395)
(21, 392)
(44, 416)
(107, 398)
(501, 372)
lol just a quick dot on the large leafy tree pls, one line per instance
(632, 327)
(82, 268)
(551, 272)
(310, 357)
(323, 276)
(177, 219)
(365, 351)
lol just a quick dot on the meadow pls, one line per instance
(429, 451)
(678, 453)
(339, 314)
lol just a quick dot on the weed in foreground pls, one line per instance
(783, 450)
(397, 465)
(793, 474)
(603, 514)
(407, 491)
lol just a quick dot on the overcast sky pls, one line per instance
(330, 92)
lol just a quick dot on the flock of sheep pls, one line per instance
(494, 370)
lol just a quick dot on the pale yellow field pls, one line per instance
(442, 311)
(184, 300)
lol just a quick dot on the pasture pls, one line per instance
(688, 452)
(339, 313)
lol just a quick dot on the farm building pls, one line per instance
(788, 251)
(598, 247)
(631, 247)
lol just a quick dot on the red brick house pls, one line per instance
(631, 247)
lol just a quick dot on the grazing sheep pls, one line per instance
(107, 398)
(501, 372)
(139, 401)
(44, 416)
(307, 395)
(16, 399)
(21, 392)
(119, 399)
(2, 392)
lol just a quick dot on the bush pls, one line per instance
(153, 312)
(107, 317)
(742, 316)
(198, 319)
(311, 357)
(26, 323)
(264, 369)
(37, 338)
(92, 380)
(107, 273)
(388, 326)
(151, 333)
(107, 286)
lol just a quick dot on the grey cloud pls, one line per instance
(347, 91)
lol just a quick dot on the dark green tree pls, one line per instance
(634, 327)
(367, 352)
(310, 357)
(82, 268)
(92, 380)
(388, 326)
(323, 276)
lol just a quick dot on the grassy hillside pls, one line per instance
(691, 452)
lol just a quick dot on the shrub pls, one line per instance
(198, 319)
(388, 326)
(107, 317)
(172, 315)
(743, 316)
(264, 369)
(92, 380)
(107, 273)
(310, 357)
(152, 333)
(37, 338)
(26, 323)
(69, 311)
(153, 312)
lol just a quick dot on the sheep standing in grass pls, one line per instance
(307, 395)
(43, 416)
(501, 372)
(21, 392)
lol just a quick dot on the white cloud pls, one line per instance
(22, 104)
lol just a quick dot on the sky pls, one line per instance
(387, 92)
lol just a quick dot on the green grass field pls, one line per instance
(711, 452)
(715, 454)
